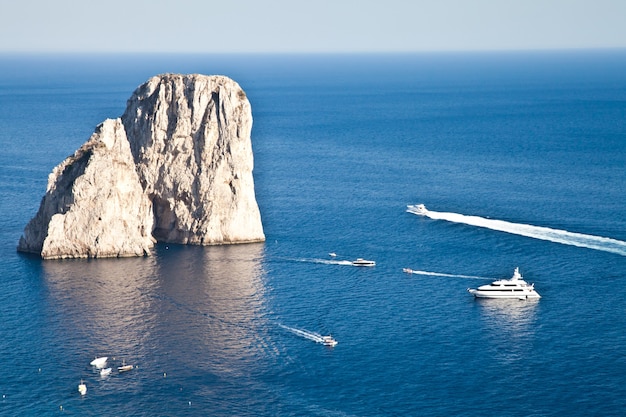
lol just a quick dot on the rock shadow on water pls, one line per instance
(104, 304)
(213, 307)
(185, 310)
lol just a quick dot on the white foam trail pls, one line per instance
(439, 274)
(316, 337)
(605, 244)
(325, 261)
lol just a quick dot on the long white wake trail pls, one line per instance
(316, 337)
(605, 244)
(323, 261)
(440, 274)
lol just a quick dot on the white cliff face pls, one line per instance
(177, 167)
(94, 204)
(190, 136)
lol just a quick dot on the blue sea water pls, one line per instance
(342, 144)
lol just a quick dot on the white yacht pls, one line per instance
(329, 341)
(515, 287)
(363, 262)
(418, 209)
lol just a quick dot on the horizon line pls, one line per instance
(295, 53)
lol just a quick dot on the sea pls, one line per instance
(520, 158)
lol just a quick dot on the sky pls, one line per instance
(314, 26)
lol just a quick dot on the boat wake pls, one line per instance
(324, 261)
(439, 274)
(316, 337)
(565, 237)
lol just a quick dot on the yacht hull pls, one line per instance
(480, 294)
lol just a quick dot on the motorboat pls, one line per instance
(418, 209)
(124, 367)
(82, 388)
(332, 254)
(515, 287)
(363, 262)
(99, 362)
(407, 270)
(328, 341)
(105, 371)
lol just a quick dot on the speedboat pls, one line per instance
(332, 254)
(363, 262)
(105, 371)
(515, 287)
(328, 341)
(407, 270)
(418, 209)
(124, 367)
(99, 362)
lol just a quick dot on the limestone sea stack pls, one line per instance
(176, 167)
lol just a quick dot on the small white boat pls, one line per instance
(407, 270)
(363, 262)
(99, 362)
(105, 371)
(332, 254)
(515, 287)
(329, 341)
(82, 388)
(418, 209)
(124, 368)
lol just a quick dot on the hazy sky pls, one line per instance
(308, 26)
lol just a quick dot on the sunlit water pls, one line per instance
(342, 145)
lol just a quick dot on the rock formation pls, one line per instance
(176, 167)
